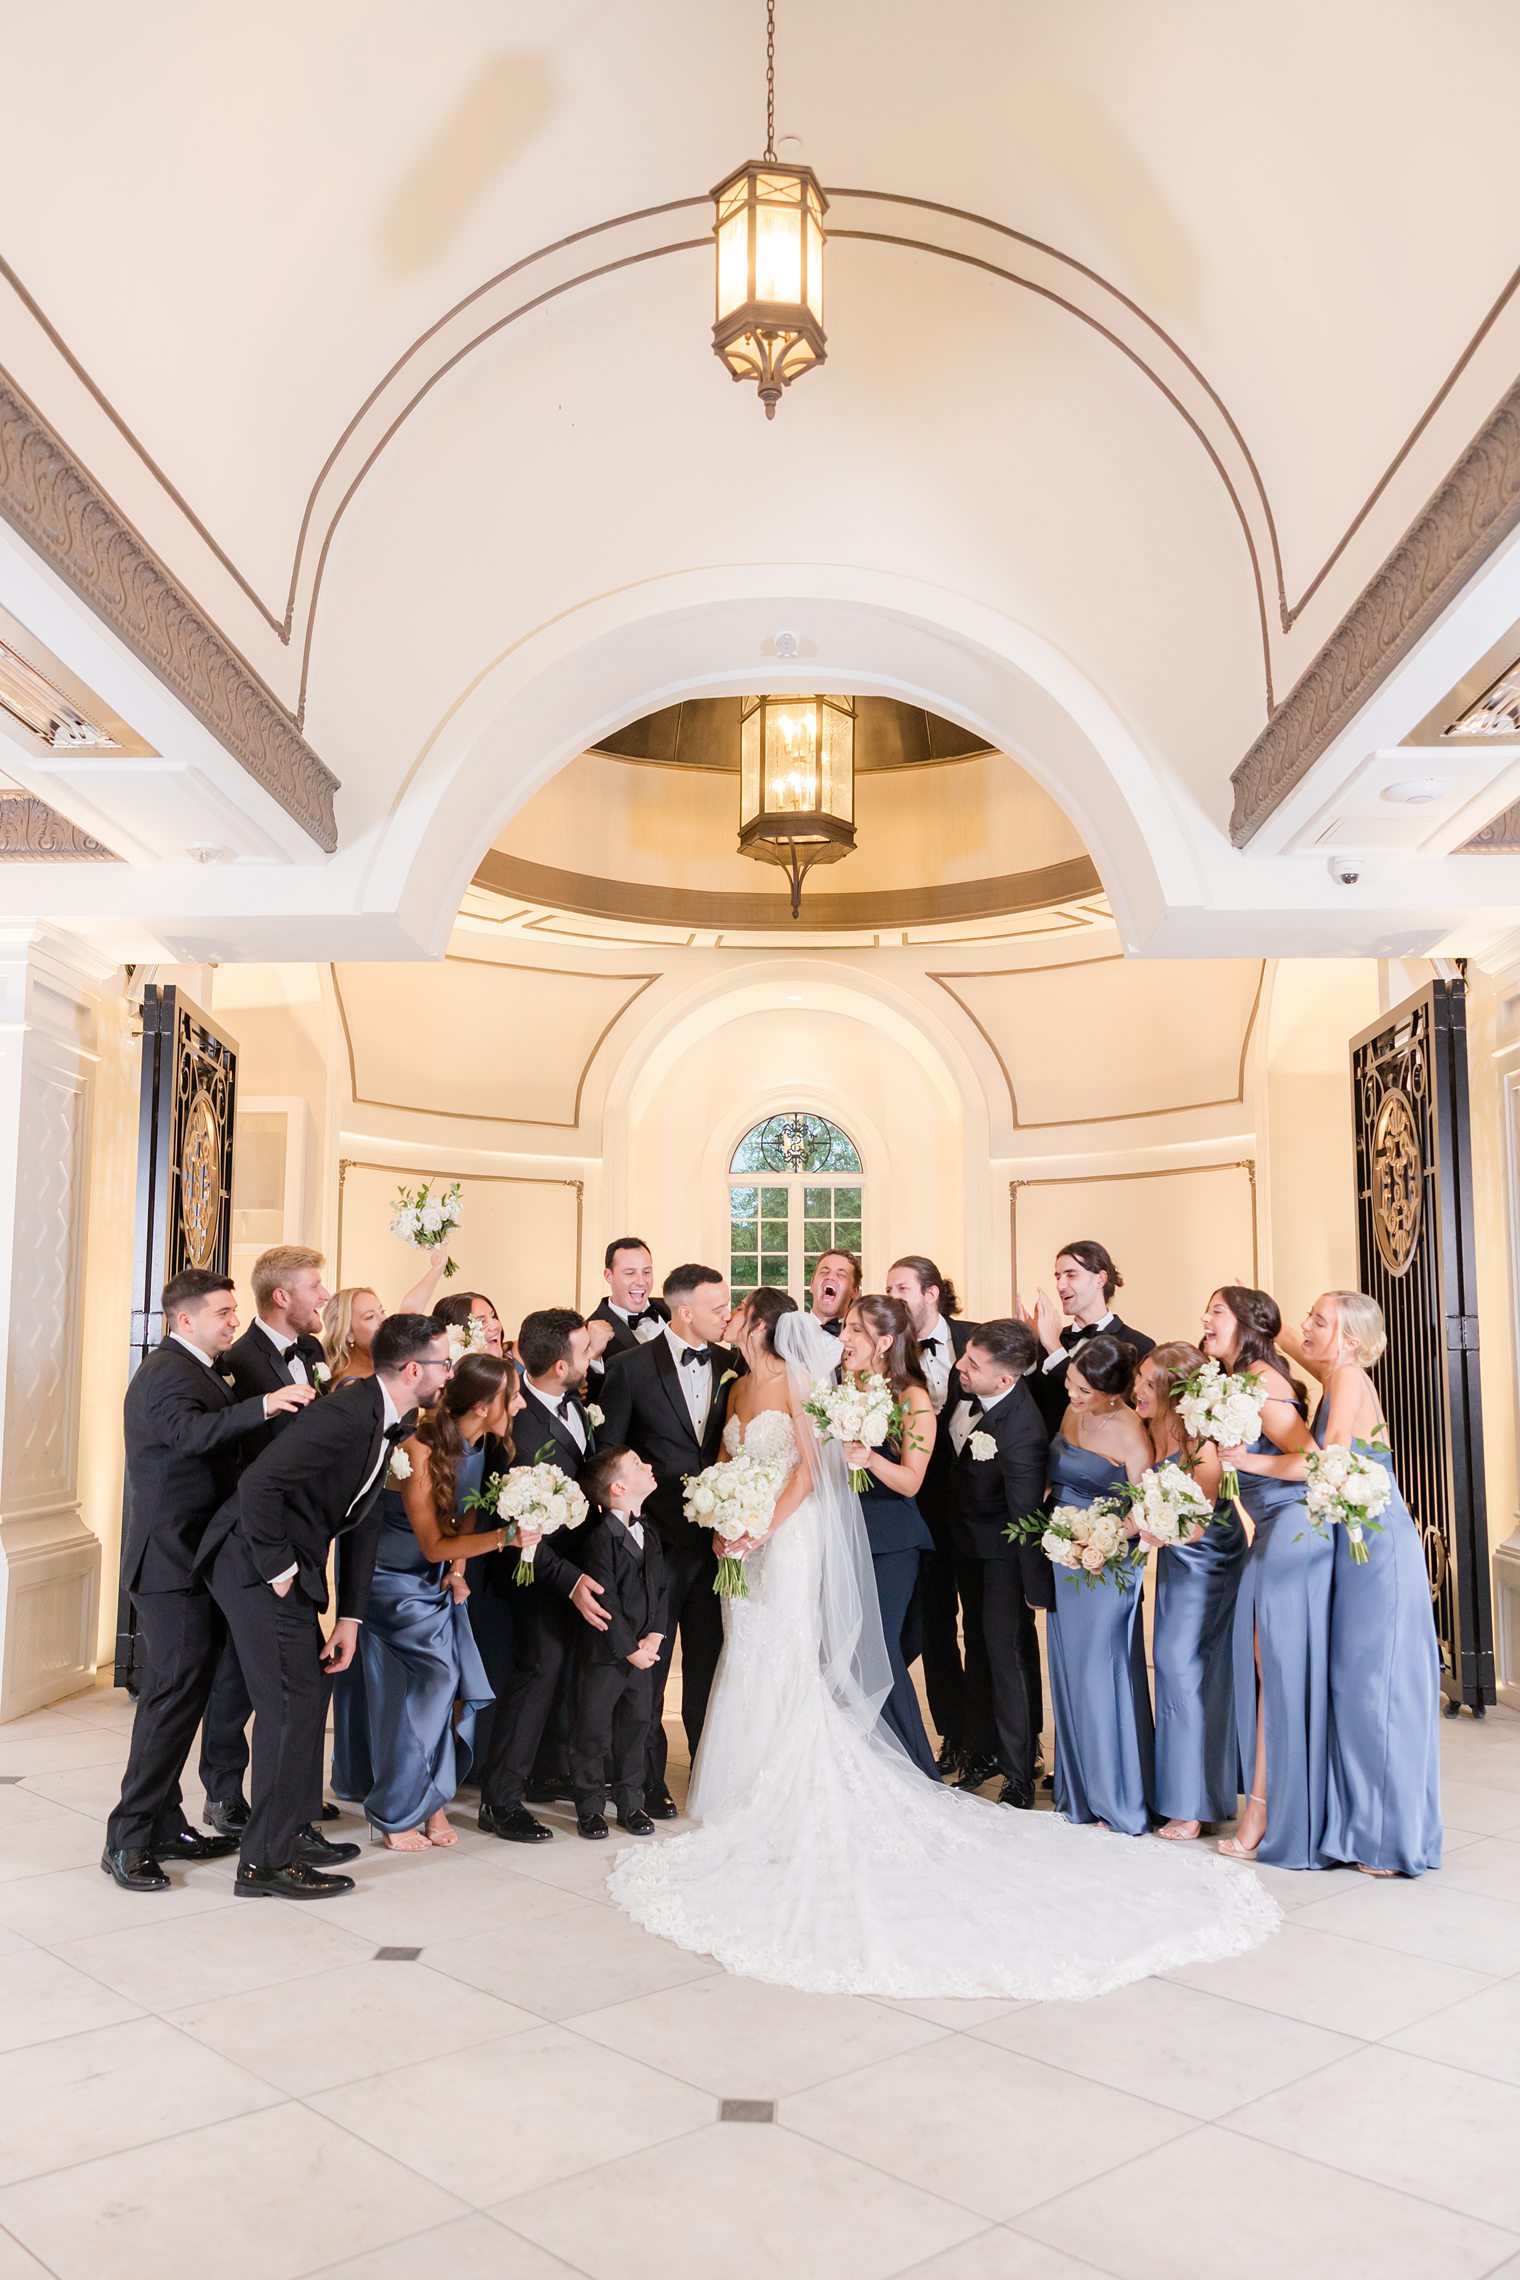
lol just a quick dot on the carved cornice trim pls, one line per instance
(46, 495)
(1471, 514)
(32, 832)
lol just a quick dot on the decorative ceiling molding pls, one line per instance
(46, 495)
(32, 832)
(1471, 514)
(1501, 837)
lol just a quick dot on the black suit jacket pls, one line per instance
(645, 1409)
(987, 1492)
(258, 1369)
(304, 1494)
(624, 1340)
(934, 1493)
(539, 1437)
(634, 1589)
(1050, 1385)
(184, 1429)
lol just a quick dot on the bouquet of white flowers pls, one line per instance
(1347, 1489)
(866, 1414)
(1167, 1504)
(1225, 1410)
(427, 1218)
(466, 1337)
(1090, 1539)
(734, 1500)
(534, 1501)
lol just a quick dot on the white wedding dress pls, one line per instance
(824, 1860)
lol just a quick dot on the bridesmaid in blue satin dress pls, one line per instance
(1385, 1667)
(419, 1653)
(878, 1337)
(1282, 1613)
(1197, 1758)
(1105, 1738)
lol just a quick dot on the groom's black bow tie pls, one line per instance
(833, 1328)
(974, 1404)
(696, 1354)
(402, 1430)
(930, 1345)
(634, 1320)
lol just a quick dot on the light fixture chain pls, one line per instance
(770, 80)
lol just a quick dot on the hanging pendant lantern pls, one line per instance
(769, 236)
(797, 783)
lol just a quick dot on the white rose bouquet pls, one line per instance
(866, 1414)
(533, 1501)
(735, 1500)
(1347, 1489)
(1217, 1407)
(427, 1217)
(466, 1337)
(1167, 1505)
(1090, 1539)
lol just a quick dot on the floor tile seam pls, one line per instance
(1113, 2168)
(1412, 1955)
(609, 2050)
(572, 2264)
(370, 2074)
(142, 2145)
(62, 1805)
(72, 2034)
(1186, 2113)
(1372, 2042)
(1449, 2066)
(1409, 2193)
(886, 2058)
(21, 2245)
(161, 2007)
(580, 2177)
(1100, 2271)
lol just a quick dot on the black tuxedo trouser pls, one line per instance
(279, 1645)
(542, 1631)
(613, 1705)
(939, 1609)
(694, 1608)
(1004, 1704)
(224, 1731)
(181, 1634)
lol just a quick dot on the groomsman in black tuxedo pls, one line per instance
(669, 1401)
(989, 1486)
(279, 1349)
(835, 1287)
(185, 1427)
(1086, 1280)
(934, 1310)
(633, 1314)
(266, 1553)
(552, 1427)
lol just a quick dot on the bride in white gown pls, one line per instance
(824, 1859)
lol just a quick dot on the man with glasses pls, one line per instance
(266, 1553)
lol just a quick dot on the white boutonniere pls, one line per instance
(320, 1373)
(729, 1377)
(227, 1378)
(597, 1417)
(401, 1465)
(982, 1446)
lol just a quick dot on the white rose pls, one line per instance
(401, 1465)
(982, 1447)
(598, 1420)
(432, 1218)
(1093, 1559)
(320, 1373)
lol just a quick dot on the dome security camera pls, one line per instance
(1345, 870)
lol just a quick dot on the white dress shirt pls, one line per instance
(561, 1405)
(285, 1347)
(634, 1526)
(965, 1422)
(1062, 1354)
(191, 1348)
(696, 1381)
(938, 1365)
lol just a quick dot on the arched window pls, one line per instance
(793, 1193)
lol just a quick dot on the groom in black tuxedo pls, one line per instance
(266, 1552)
(1086, 1280)
(1000, 1582)
(185, 1429)
(668, 1401)
(629, 1309)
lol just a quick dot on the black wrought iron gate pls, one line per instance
(184, 1180)
(1416, 1258)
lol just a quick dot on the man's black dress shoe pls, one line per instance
(549, 1793)
(319, 1851)
(1047, 1781)
(187, 1845)
(298, 1882)
(230, 1820)
(1017, 1793)
(663, 1807)
(979, 1771)
(330, 1811)
(518, 1826)
(951, 1760)
(134, 1870)
(590, 1825)
(636, 1824)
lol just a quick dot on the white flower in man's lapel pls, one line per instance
(320, 1373)
(729, 1377)
(227, 1378)
(401, 1465)
(596, 1415)
(982, 1446)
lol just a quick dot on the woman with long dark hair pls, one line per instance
(878, 1340)
(419, 1654)
(1281, 1642)
(1197, 1760)
(464, 1306)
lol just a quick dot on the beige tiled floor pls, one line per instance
(190, 2084)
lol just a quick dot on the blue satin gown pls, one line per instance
(1385, 1698)
(1105, 1738)
(1282, 1615)
(899, 1538)
(396, 1742)
(1191, 1653)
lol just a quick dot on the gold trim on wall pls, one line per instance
(481, 1116)
(1246, 1164)
(346, 1164)
(1123, 1116)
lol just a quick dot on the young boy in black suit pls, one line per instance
(614, 1700)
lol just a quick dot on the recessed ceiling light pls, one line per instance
(1417, 791)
